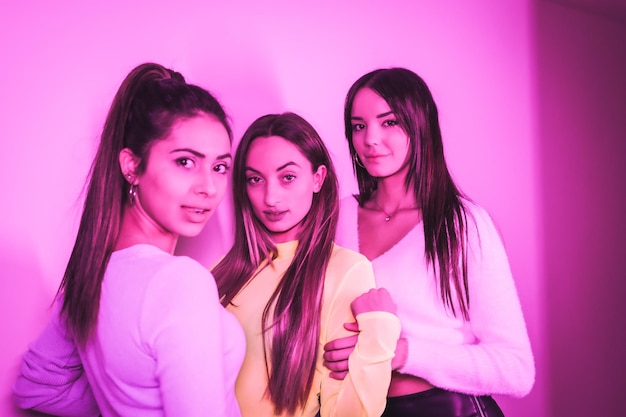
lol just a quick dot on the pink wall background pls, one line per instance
(531, 97)
(582, 143)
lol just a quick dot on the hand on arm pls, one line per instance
(376, 299)
(363, 392)
(337, 352)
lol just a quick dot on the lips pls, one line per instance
(196, 210)
(197, 215)
(275, 216)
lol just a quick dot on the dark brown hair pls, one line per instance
(149, 101)
(440, 200)
(295, 322)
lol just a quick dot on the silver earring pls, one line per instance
(357, 160)
(132, 194)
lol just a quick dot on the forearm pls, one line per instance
(478, 369)
(364, 390)
(492, 355)
(51, 378)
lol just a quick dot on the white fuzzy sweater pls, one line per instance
(491, 353)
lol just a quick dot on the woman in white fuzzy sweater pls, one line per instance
(438, 254)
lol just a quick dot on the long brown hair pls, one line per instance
(150, 99)
(440, 200)
(297, 301)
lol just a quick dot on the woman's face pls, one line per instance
(280, 183)
(380, 142)
(185, 177)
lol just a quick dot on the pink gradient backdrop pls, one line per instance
(492, 70)
(582, 133)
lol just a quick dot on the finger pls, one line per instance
(341, 366)
(342, 343)
(337, 355)
(338, 375)
(353, 327)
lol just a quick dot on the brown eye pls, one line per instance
(289, 177)
(221, 168)
(186, 162)
(358, 126)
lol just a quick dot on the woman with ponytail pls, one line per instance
(147, 326)
(292, 288)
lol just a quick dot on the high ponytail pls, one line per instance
(146, 105)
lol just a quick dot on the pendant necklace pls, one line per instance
(388, 216)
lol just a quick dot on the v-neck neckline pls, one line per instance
(392, 247)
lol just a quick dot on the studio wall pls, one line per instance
(582, 136)
(63, 61)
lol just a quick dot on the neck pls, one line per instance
(136, 230)
(392, 195)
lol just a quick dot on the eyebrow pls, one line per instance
(378, 116)
(200, 154)
(280, 168)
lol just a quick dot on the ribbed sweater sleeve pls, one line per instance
(364, 390)
(51, 378)
(181, 326)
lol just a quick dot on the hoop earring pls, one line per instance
(357, 160)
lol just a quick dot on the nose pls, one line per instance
(371, 136)
(272, 194)
(205, 184)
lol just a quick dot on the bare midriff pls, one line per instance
(404, 384)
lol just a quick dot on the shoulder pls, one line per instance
(180, 272)
(166, 263)
(478, 219)
(347, 265)
(345, 256)
(484, 238)
(186, 263)
(151, 259)
(348, 275)
(178, 286)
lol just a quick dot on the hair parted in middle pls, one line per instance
(293, 330)
(439, 199)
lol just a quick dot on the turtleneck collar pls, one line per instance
(286, 249)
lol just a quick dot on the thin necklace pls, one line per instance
(388, 216)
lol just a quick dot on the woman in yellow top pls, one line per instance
(292, 288)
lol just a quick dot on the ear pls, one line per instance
(318, 178)
(128, 165)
